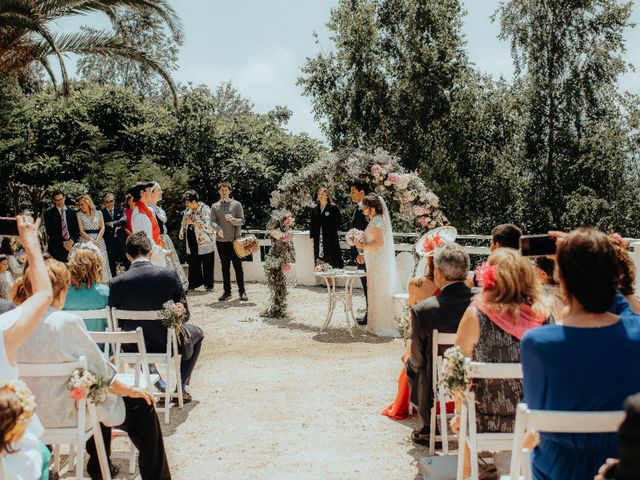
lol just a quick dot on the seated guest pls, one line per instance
(85, 292)
(442, 313)
(506, 235)
(627, 272)
(562, 367)
(62, 337)
(552, 297)
(627, 465)
(6, 279)
(25, 457)
(491, 329)
(129, 291)
(9, 247)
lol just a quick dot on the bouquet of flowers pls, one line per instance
(454, 376)
(173, 315)
(354, 236)
(84, 384)
(323, 266)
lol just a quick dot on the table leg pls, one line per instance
(347, 303)
(332, 304)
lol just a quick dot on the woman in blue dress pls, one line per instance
(588, 363)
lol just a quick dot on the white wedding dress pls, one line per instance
(382, 279)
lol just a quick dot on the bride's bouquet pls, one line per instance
(354, 236)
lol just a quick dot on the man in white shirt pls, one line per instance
(144, 220)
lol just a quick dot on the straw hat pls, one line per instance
(435, 238)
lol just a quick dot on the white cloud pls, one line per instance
(266, 80)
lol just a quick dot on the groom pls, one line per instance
(359, 189)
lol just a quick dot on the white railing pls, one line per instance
(302, 269)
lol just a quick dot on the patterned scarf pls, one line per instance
(155, 229)
(504, 318)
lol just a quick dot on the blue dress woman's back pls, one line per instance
(93, 298)
(579, 369)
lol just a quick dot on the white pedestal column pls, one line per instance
(304, 258)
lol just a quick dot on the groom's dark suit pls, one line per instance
(147, 287)
(360, 222)
(442, 313)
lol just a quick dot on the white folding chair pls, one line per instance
(468, 433)
(554, 422)
(170, 357)
(439, 395)
(97, 314)
(73, 436)
(140, 377)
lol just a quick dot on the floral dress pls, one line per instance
(91, 226)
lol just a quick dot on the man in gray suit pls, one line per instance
(227, 217)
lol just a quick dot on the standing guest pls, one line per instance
(561, 365)
(62, 228)
(325, 223)
(114, 232)
(200, 240)
(506, 235)
(227, 216)
(173, 261)
(358, 190)
(25, 458)
(442, 313)
(62, 337)
(85, 290)
(9, 247)
(128, 213)
(490, 331)
(6, 279)
(129, 292)
(143, 219)
(92, 230)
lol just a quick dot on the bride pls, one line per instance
(379, 257)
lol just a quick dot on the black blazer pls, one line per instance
(328, 222)
(119, 221)
(360, 222)
(442, 313)
(53, 226)
(146, 287)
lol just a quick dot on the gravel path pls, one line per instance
(275, 399)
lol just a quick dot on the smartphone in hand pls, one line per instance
(537, 245)
(8, 227)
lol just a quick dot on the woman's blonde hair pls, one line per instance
(325, 190)
(86, 198)
(85, 266)
(516, 280)
(58, 276)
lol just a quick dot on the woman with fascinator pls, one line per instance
(382, 279)
(510, 304)
(173, 261)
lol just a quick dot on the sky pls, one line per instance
(260, 45)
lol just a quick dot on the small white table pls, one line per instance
(345, 296)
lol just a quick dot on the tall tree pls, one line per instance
(26, 35)
(143, 31)
(569, 55)
(389, 79)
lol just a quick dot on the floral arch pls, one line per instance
(412, 206)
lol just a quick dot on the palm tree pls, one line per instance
(26, 36)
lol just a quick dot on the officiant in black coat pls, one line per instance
(114, 232)
(358, 190)
(325, 223)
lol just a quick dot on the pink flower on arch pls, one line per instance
(287, 221)
(418, 210)
(287, 237)
(376, 169)
(78, 394)
(394, 178)
(423, 221)
(286, 268)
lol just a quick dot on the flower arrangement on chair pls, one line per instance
(454, 376)
(84, 384)
(173, 315)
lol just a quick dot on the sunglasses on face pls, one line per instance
(109, 201)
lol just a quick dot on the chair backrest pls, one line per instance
(437, 340)
(551, 421)
(91, 314)
(488, 370)
(150, 315)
